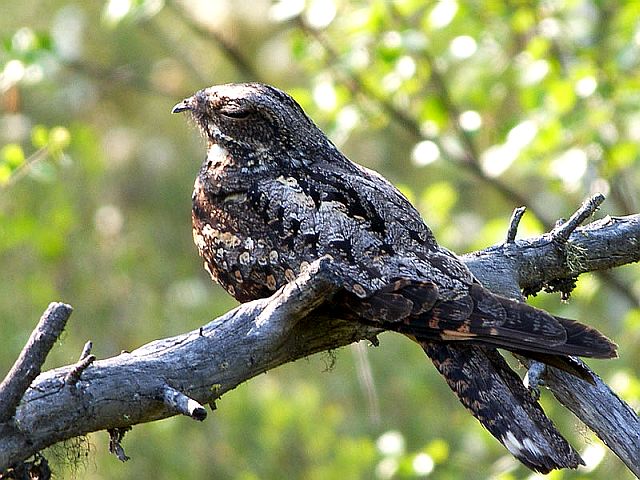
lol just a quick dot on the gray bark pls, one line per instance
(178, 375)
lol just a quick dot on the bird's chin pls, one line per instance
(213, 134)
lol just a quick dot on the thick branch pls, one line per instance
(536, 262)
(179, 374)
(615, 422)
(533, 263)
(33, 355)
(202, 365)
(598, 407)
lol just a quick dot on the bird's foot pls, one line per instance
(533, 379)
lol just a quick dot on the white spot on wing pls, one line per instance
(531, 446)
(512, 443)
(199, 241)
(516, 446)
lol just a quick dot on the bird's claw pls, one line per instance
(533, 379)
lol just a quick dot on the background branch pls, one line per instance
(231, 51)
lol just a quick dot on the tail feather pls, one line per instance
(461, 336)
(568, 364)
(495, 395)
(524, 323)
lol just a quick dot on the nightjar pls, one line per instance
(275, 194)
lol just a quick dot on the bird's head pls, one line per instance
(255, 122)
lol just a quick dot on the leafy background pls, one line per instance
(471, 108)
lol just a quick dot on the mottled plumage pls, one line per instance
(275, 194)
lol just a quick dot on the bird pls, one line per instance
(275, 194)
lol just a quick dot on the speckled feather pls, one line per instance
(275, 194)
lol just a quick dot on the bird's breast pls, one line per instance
(247, 249)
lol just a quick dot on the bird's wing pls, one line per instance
(477, 374)
(442, 300)
(368, 196)
(416, 309)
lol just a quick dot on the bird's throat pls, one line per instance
(217, 156)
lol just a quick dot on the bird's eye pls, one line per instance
(238, 113)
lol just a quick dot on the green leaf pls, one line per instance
(5, 174)
(12, 155)
(438, 200)
(561, 96)
(523, 20)
(39, 136)
(438, 449)
(622, 155)
(632, 321)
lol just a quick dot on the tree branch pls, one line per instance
(514, 223)
(203, 364)
(179, 375)
(540, 262)
(564, 229)
(180, 403)
(244, 66)
(32, 357)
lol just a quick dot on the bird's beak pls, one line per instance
(186, 104)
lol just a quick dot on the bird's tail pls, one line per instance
(495, 395)
(461, 336)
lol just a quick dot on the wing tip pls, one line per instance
(585, 341)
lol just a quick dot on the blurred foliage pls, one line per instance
(472, 108)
